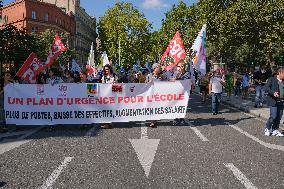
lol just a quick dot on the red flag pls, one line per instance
(31, 68)
(91, 70)
(56, 49)
(174, 53)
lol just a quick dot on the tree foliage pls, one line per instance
(125, 24)
(183, 19)
(240, 32)
(245, 31)
(15, 45)
(44, 41)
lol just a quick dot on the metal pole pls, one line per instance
(119, 52)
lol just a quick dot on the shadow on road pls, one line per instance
(2, 184)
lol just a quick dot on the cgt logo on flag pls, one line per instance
(31, 68)
(56, 49)
(174, 53)
(92, 89)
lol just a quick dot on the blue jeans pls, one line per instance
(237, 90)
(216, 99)
(276, 113)
(259, 96)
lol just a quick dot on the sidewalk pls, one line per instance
(247, 105)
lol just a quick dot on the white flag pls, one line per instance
(91, 58)
(105, 59)
(199, 46)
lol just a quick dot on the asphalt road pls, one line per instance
(228, 150)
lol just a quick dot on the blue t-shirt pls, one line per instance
(245, 80)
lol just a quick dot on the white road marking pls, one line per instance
(55, 174)
(197, 132)
(145, 149)
(92, 131)
(267, 145)
(240, 176)
(7, 146)
(144, 131)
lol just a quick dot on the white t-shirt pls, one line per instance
(216, 85)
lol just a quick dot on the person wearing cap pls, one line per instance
(275, 100)
(215, 89)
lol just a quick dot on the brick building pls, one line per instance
(85, 33)
(36, 16)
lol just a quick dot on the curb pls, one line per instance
(242, 108)
(239, 107)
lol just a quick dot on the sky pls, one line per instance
(154, 10)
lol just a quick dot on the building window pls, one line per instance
(46, 17)
(34, 15)
(34, 29)
(5, 19)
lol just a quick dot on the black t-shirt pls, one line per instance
(260, 76)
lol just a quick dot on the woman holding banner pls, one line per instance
(181, 74)
(108, 77)
(54, 77)
(155, 76)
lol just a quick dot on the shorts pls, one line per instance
(204, 89)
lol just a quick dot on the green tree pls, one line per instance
(44, 41)
(15, 46)
(124, 24)
(244, 28)
(182, 18)
(155, 46)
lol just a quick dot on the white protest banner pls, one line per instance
(85, 103)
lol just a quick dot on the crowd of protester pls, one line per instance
(239, 83)
(108, 74)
